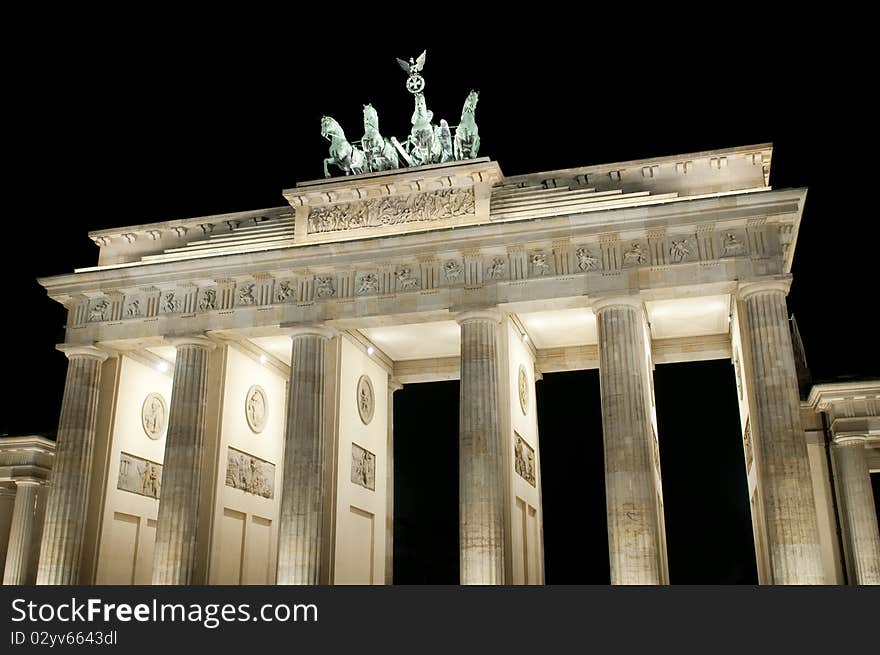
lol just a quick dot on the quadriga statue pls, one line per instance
(424, 146)
(342, 154)
(467, 136)
(380, 153)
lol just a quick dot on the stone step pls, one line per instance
(537, 191)
(634, 200)
(568, 200)
(250, 235)
(212, 252)
(209, 245)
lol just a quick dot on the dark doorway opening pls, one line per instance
(426, 484)
(573, 479)
(708, 520)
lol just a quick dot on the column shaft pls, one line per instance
(635, 536)
(21, 533)
(780, 450)
(174, 554)
(859, 517)
(61, 544)
(301, 521)
(481, 452)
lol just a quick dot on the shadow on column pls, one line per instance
(426, 484)
(573, 479)
(708, 522)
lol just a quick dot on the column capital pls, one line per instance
(86, 350)
(493, 315)
(323, 331)
(781, 284)
(394, 385)
(193, 340)
(849, 439)
(604, 302)
(29, 482)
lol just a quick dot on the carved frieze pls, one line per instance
(586, 260)
(394, 210)
(524, 460)
(208, 299)
(250, 474)
(100, 310)
(406, 279)
(325, 287)
(154, 415)
(523, 387)
(747, 445)
(256, 408)
(472, 268)
(367, 283)
(363, 467)
(634, 255)
(736, 370)
(170, 303)
(679, 250)
(452, 271)
(540, 267)
(245, 294)
(365, 399)
(285, 291)
(134, 309)
(139, 476)
(732, 245)
(497, 269)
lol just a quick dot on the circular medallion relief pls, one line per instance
(256, 408)
(154, 415)
(523, 383)
(365, 399)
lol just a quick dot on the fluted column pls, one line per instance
(481, 452)
(175, 549)
(859, 516)
(300, 529)
(635, 534)
(21, 532)
(780, 449)
(65, 518)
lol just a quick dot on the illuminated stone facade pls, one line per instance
(360, 284)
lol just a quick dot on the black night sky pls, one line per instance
(160, 119)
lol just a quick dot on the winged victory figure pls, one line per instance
(415, 83)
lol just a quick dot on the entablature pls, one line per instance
(714, 241)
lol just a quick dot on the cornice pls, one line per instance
(824, 395)
(674, 216)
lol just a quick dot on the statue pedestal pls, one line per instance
(398, 201)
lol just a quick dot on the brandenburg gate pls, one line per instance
(227, 413)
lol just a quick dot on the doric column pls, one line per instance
(859, 516)
(66, 505)
(393, 385)
(302, 496)
(778, 437)
(18, 559)
(635, 532)
(174, 554)
(481, 452)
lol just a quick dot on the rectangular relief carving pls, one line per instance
(381, 212)
(363, 467)
(250, 474)
(524, 462)
(139, 476)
